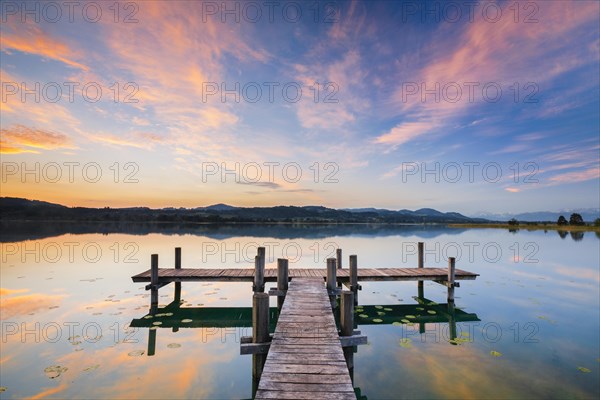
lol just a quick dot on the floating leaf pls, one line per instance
(157, 323)
(380, 313)
(136, 353)
(410, 324)
(153, 328)
(148, 317)
(410, 316)
(186, 321)
(173, 345)
(432, 303)
(169, 314)
(405, 320)
(396, 323)
(584, 369)
(363, 315)
(92, 367)
(454, 342)
(3, 389)
(387, 309)
(495, 353)
(54, 371)
(464, 334)
(377, 320)
(431, 312)
(406, 343)
(419, 308)
(379, 307)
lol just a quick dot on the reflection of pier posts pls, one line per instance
(282, 280)
(154, 283)
(338, 261)
(151, 341)
(347, 327)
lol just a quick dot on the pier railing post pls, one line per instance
(282, 279)
(347, 313)
(421, 264)
(177, 294)
(331, 274)
(260, 331)
(354, 277)
(153, 281)
(259, 275)
(451, 279)
(338, 258)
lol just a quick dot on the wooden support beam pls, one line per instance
(177, 257)
(153, 280)
(338, 257)
(254, 348)
(354, 340)
(282, 280)
(354, 286)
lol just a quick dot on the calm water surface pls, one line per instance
(67, 302)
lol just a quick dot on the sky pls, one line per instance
(459, 106)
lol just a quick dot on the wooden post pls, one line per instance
(177, 257)
(154, 281)
(354, 277)
(338, 257)
(177, 295)
(282, 279)
(260, 332)
(151, 342)
(451, 277)
(331, 274)
(259, 271)
(421, 264)
(347, 313)
(260, 318)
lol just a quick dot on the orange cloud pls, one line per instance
(29, 38)
(18, 138)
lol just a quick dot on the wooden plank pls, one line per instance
(277, 394)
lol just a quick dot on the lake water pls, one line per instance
(67, 301)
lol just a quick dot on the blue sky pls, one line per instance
(408, 112)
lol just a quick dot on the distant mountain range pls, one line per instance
(12, 208)
(588, 215)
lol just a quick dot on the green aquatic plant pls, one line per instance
(431, 312)
(136, 353)
(584, 369)
(406, 343)
(186, 321)
(396, 323)
(363, 315)
(173, 345)
(377, 320)
(410, 316)
(495, 353)
(54, 371)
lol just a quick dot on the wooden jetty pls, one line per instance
(307, 357)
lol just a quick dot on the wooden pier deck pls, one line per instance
(166, 275)
(305, 359)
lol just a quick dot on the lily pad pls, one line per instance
(377, 320)
(406, 343)
(157, 323)
(363, 315)
(54, 371)
(380, 313)
(410, 316)
(136, 353)
(495, 353)
(379, 307)
(148, 317)
(169, 314)
(92, 367)
(584, 369)
(186, 321)
(396, 323)
(387, 309)
(173, 345)
(419, 308)
(405, 320)
(464, 334)
(3, 389)
(431, 312)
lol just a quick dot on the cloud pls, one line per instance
(512, 189)
(22, 139)
(14, 306)
(405, 132)
(29, 38)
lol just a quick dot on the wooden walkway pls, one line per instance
(305, 360)
(166, 275)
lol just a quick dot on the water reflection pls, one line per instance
(174, 316)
